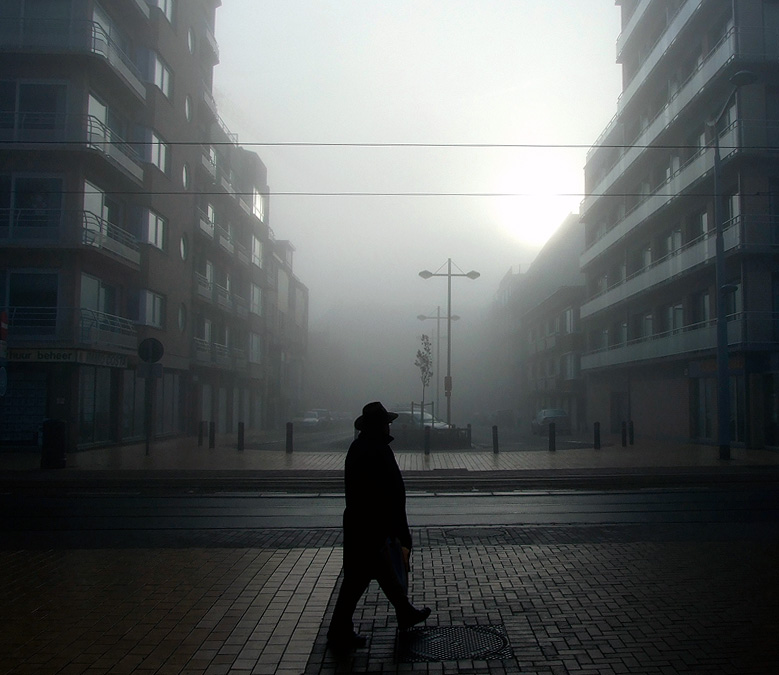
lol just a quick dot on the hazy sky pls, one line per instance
(494, 72)
(394, 71)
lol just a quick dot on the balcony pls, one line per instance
(31, 225)
(687, 91)
(208, 161)
(210, 102)
(206, 225)
(53, 129)
(241, 306)
(225, 239)
(210, 39)
(204, 287)
(747, 330)
(201, 350)
(694, 254)
(99, 233)
(223, 356)
(70, 326)
(241, 252)
(224, 298)
(678, 183)
(630, 28)
(63, 36)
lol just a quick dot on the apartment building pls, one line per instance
(128, 212)
(535, 336)
(649, 260)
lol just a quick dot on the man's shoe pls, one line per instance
(345, 642)
(413, 617)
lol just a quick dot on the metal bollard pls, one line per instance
(240, 437)
(212, 435)
(289, 437)
(596, 440)
(624, 434)
(552, 439)
(427, 440)
(495, 446)
(631, 437)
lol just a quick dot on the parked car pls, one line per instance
(318, 418)
(543, 418)
(415, 419)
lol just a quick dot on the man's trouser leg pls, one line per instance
(352, 588)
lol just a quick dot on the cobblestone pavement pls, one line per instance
(602, 599)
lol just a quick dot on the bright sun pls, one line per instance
(547, 183)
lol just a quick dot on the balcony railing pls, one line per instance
(746, 330)
(224, 297)
(31, 224)
(225, 239)
(53, 128)
(70, 326)
(204, 286)
(99, 233)
(697, 252)
(630, 27)
(55, 35)
(700, 164)
(206, 224)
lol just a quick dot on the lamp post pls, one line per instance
(738, 80)
(425, 274)
(437, 319)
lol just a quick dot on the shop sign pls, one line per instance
(101, 359)
(42, 355)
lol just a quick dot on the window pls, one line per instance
(733, 299)
(152, 309)
(30, 205)
(256, 251)
(166, 7)
(97, 296)
(191, 41)
(258, 204)
(701, 308)
(185, 176)
(156, 227)
(159, 152)
(160, 75)
(188, 108)
(255, 305)
(255, 348)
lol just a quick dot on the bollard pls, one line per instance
(624, 434)
(596, 440)
(631, 437)
(240, 436)
(495, 446)
(427, 440)
(200, 433)
(212, 435)
(289, 437)
(552, 439)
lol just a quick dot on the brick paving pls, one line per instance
(592, 599)
(603, 599)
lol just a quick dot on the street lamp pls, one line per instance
(425, 274)
(437, 319)
(739, 79)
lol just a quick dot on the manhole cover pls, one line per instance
(454, 643)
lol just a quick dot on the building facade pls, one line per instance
(128, 212)
(649, 260)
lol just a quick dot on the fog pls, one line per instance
(314, 86)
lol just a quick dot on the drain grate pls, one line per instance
(454, 643)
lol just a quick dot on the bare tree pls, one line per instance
(424, 362)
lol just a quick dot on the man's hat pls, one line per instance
(374, 415)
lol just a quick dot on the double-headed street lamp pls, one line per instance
(437, 318)
(425, 274)
(739, 79)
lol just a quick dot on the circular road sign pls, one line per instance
(150, 350)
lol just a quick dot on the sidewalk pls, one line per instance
(546, 600)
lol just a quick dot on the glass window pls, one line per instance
(166, 7)
(258, 204)
(156, 227)
(159, 153)
(161, 75)
(188, 108)
(255, 348)
(256, 251)
(256, 300)
(185, 176)
(152, 309)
